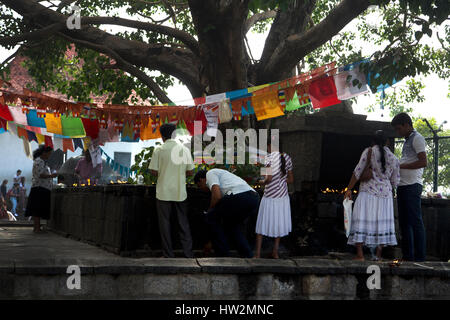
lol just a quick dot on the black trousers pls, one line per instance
(227, 217)
(410, 219)
(164, 209)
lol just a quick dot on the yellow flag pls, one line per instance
(256, 88)
(40, 138)
(86, 142)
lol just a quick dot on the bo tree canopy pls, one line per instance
(203, 43)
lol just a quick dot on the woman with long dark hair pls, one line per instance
(372, 221)
(274, 215)
(38, 205)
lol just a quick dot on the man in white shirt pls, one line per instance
(171, 163)
(17, 178)
(412, 164)
(232, 202)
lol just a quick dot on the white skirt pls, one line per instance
(274, 217)
(372, 221)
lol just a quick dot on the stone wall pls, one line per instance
(221, 279)
(436, 218)
(123, 219)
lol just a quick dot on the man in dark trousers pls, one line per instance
(171, 162)
(409, 191)
(232, 202)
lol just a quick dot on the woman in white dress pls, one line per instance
(372, 221)
(274, 215)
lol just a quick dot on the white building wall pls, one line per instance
(13, 158)
(12, 155)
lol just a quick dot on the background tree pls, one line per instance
(444, 154)
(203, 43)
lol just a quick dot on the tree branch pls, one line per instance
(125, 66)
(295, 47)
(258, 17)
(293, 20)
(442, 42)
(33, 35)
(184, 37)
(7, 60)
(63, 4)
(180, 63)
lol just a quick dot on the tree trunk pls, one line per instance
(220, 29)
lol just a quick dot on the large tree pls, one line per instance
(203, 43)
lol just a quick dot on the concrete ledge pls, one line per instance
(219, 266)
(170, 266)
(220, 278)
(224, 265)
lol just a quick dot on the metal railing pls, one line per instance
(434, 152)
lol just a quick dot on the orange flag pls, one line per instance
(53, 124)
(147, 131)
(267, 105)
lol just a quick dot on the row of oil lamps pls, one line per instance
(342, 191)
(93, 184)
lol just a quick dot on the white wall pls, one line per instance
(13, 158)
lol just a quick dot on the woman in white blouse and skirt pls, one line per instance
(372, 221)
(38, 205)
(274, 215)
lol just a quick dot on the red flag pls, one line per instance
(322, 93)
(48, 142)
(200, 117)
(3, 123)
(91, 127)
(22, 133)
(200, 100)
(68, 145)
(4, 113)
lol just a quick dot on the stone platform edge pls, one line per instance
(295, 266)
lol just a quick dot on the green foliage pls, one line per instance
(248, 172)
(394, 30)
(142, 162)
(397, 41)
(84, 74)
(400, 98)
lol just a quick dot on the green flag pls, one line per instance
(72, 127)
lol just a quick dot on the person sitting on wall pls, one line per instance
(85, 170)
(171, 194)
(232, 202)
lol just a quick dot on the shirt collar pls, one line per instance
(410, 135)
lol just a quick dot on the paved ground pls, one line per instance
(20, 243)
